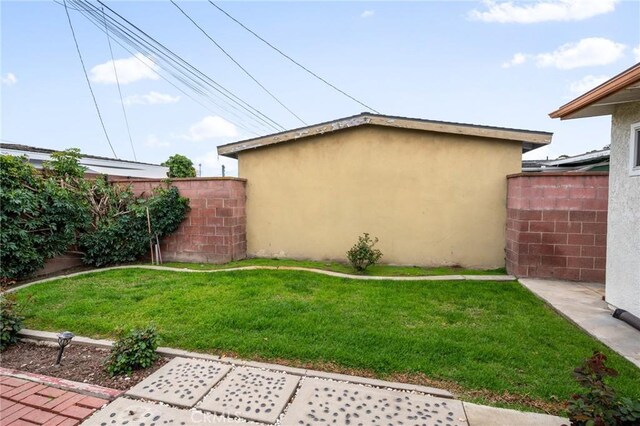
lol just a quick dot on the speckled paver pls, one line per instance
(323, 402)
(252, 394)
(182, 382)
(125, 411)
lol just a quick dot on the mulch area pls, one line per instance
(79, 363)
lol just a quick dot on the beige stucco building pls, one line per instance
(434, 193)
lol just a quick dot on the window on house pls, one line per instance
(635, 149)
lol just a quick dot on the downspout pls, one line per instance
(627, 317)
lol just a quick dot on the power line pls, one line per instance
(84, 69)
(176, 58)
(115, 72)
(124, 39)
(236, 62)
(291, 59)
(171, 63)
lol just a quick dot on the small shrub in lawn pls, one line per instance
(362, 254)
(599, 405)
(11, 320)
(132, 351)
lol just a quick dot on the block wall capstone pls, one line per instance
(557, 225)
(214, 230)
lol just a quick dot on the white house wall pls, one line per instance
(623, 232)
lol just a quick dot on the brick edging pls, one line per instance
(64, 384)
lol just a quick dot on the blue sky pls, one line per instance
(492, 63)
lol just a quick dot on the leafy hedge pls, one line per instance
(43, 214)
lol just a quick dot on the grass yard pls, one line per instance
(490, 342)
(375, 270)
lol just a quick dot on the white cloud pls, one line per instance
(367, 13)
(587, 52)
(151, 98)
(211, 127)
(542, 11)
(587, 83)
(153, 141)
(9, 79)
(636, 53)
(212, 164)
(138, 67)
(518, 59)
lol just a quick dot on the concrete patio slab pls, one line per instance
(252, 394)
(182, 381)
(124, 411)
(582, 304)
(327, 402)
(480, 415)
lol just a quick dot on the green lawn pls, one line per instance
(376, 270)
(485, 339)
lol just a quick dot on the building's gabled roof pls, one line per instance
(623, 88)
(528, 138)
(93, 163)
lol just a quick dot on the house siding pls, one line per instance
(623, 234)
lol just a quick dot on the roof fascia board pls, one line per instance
(537, 138)
(621, 81)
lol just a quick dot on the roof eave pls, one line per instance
(529, 139)
(579, 107)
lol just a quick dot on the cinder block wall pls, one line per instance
(214, 231)
(557, 225)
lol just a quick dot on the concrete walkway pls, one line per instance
(583, 304)
(194, 391)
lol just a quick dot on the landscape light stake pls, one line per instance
(63, 340)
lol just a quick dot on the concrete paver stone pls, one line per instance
(252, 394)
(326, 402)
(480, 415)
(182, 382)
(140, 413)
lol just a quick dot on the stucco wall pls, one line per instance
(623, 233)
(431, 198)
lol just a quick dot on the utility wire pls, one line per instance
(177, 67)
(196, 71)
(115, 72)
(237, 63)
(124, 39)
(84, 69)
(291, 59)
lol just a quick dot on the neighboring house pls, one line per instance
(620, 98)
(433, 192)
(95, 165)
(594, 161)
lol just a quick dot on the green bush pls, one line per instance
(119, 232)
(43, 214)
(132, 351)
(362, 254)
(599, 405)
(11, 320)
(39, 216)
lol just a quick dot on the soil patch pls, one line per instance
(79, 363)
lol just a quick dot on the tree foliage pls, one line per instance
(43, 214)
(180, 167)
